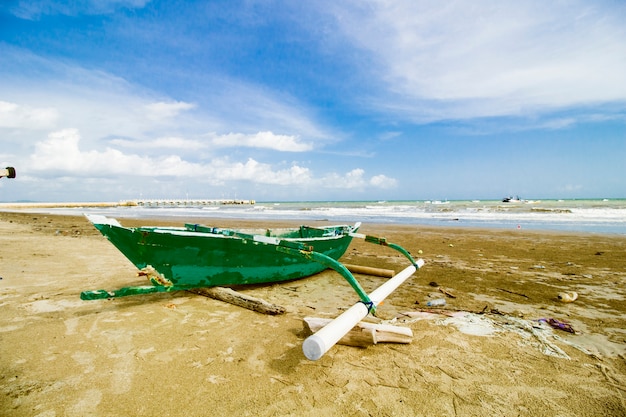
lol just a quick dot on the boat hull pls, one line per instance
(187, 258)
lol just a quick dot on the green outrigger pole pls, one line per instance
(344, 272)
(185, 258)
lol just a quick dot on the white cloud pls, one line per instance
(385, 136)
(13, 115)
(268, 140)
(161, 109)
(559, 123)
(383, 181)
(100, 105)
(170, 142)
(254, 108)
(126, 136)
(60, 155)
(351, 180)
(258, 172)
(355, 179)
(96, 103)
(480, 58)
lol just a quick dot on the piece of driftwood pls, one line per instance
(446, 292)
(364, 334)
(513, 292)
(231, 296)
(368, 270)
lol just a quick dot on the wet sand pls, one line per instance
(181, 354)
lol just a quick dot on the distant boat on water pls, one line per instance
(510, 199)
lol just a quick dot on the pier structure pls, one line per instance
(129, 203)
(184, 203)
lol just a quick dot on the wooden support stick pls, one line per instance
(364, 334)
(513, 292)
(241, 300)
(367, 270)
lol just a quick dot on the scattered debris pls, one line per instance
(567, 297)
(484, 323)
(441, 289)
(516, 293)
(364, 334)
(447, 292)
(241, 300)
(560, 325)
(439, 302)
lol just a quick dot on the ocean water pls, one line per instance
(606, 216)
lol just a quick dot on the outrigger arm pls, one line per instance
(316, 345)
(344, 272)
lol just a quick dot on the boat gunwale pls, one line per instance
(221, 236)
(182, 231)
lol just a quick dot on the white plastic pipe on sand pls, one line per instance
(316, 345)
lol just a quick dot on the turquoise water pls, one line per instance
(597, 216)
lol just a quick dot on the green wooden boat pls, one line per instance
(196, 256)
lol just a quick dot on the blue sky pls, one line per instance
(105, 100)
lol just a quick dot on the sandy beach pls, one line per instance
(180, 354)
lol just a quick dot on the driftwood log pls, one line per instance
(364, 334)
(241, 300)
(367, 270)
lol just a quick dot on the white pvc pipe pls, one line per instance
(316, 345)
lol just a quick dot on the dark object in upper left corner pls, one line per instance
(8, 172)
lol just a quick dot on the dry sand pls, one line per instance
(181, 354)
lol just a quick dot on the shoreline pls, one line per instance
(588, 216)
(484, 353)
(163, 219)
